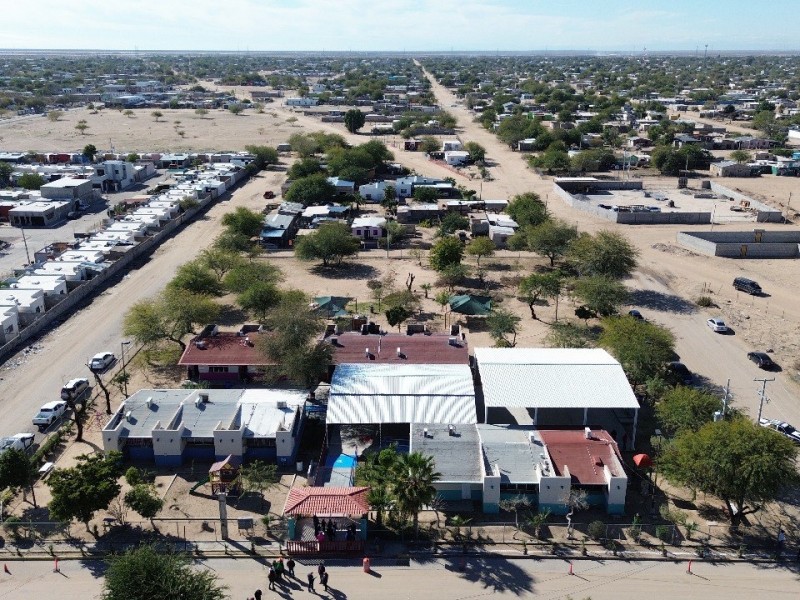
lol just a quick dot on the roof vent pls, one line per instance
(149, 402)
(399, 352)
(198, 402)
(587, 433)
(281, 404)
(203, 397)
(128, 415)
(201, 344)
(451, 430)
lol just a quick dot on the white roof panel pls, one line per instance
(553, 378)
(363, 393)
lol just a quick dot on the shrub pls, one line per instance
(133, 476)
(596, 530)
(705, 302)
(663, 532)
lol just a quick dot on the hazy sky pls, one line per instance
(397, 25)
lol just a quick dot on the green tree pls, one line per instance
(243, 221)
(477, 152)
(739, 462)
(685, 409)
(480, 247)
(311, 191)
(445, 252)
(293, 341)
(601, 295)
(740, 156)
(132, 157)
(236, 109)
(569, 335)
(643, 349)
(258, 477)
(397, 315)
(82, 126)
(606, 253)
(304, 145)
(553, 160)
(6, 169)
(426, 195)
(80, 491)
(30, 181)
(595, 159)
(168, 317)
(55, 115)
(18, 471)
(245, 275)
(453, 274)
(527, 209)
(264, 156)
(259, 298)
(539, 285)
(197, 278)
(452, 222)
(220, 261)
(304, 168)
(145, 573)
(144, 499)
(331, 243)
(414, 476)
(429, 144)
(156, 114)
(354, 120)
(502, 324)
(201, 112)
(90, 151)
(551, 238)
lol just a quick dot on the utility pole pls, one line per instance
(726, 397)
(763, 396)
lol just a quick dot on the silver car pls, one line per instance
(717, 324)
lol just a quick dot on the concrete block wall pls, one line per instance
(742, 244)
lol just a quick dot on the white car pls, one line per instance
(717, 324)
(782, 428)
(50, 413)
(100, 362)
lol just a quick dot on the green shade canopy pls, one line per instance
(467, 304)
(332, 306)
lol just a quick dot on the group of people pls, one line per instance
(327, 530)
(278, 570)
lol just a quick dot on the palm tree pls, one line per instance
(413, 485)
(380, 501)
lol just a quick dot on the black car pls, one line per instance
(677, 371)
(762, 359)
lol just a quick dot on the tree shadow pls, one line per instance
(349, 270)
(660, 301)
(232, 315)
(96, 567)
(496, 574)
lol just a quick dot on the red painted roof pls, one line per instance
(327, 501)
(415, 349)
(584, 458)
(226, 348)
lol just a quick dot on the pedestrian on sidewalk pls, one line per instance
(311, 582)
(257, 595)
(271, 578)
(290, 566)
(324, 580)
(321, 568)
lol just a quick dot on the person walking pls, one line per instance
(324, 580)
(310, 581)
(321, 568)
(258, 595)
(290, 566)
(271, 578)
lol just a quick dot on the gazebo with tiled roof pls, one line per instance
(348, 504)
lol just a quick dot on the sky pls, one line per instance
(400, 25)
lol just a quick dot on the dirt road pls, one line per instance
(27, 382)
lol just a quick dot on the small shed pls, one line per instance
(224, 476)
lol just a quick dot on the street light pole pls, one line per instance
(763, 396)
(124, 374)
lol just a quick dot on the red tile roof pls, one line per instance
(327, 501)
(415, 349)
(584, 458)
(226, 348)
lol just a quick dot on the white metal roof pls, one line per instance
(553, 378)
(364, 393)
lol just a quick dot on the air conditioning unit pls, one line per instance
(202, 397)
(281, 404)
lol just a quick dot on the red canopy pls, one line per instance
(642, 461)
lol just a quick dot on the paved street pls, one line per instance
(441, 579)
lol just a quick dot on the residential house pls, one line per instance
(729, 168)
(373, 192)
(368, 228)
(342, 185)
(280, 230)
(225, 357)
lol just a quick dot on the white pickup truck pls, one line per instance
(49, 414)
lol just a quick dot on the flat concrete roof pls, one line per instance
(457, 457)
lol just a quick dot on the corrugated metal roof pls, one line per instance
(375, 393)
(553, 378)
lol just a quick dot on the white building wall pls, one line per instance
(228, 441)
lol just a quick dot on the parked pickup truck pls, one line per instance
(20, 441)
(49, 414)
